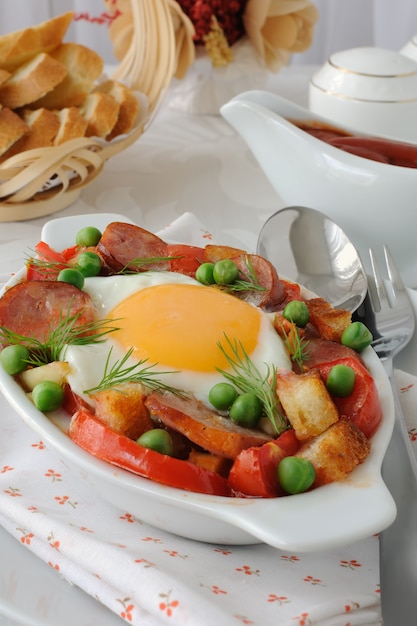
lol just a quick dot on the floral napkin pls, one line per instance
(149, 577)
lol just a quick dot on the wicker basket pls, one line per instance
(42, 181)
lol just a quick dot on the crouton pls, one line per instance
(306, 402)
(329, 322)
(122, 408)
(211, 462)
(336, 452)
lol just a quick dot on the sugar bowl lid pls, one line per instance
(369, 73)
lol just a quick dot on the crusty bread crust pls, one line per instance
(101, 111)
(20, 46)
(129, 106)
(71, 125)
(306, 402)
(32, 81)
(83, 67)
(329, 322)
(123, 409)
(336, 452)
(49, 91)
(4, 75)
(12, 128)
(42, 128)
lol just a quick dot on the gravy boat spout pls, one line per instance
(374, 202)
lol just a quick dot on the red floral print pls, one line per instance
(40, 445)
(350, 564)
(246, 569)
(54, 475)
(126, 613)
(14, 492)
(167, 605)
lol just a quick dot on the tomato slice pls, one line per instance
(47, 253)
(188, 258)
(254, 471)
(70, 253)
(54, 262)
(362, 406)
(98, 439)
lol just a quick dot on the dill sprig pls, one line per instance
(66, 332)
(297, 347)
(249, 282)
(248, 378)
(45, 267)
(120, 373)
(135, 265)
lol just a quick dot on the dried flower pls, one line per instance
(275, 28)
(217, 46)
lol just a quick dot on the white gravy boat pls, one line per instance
(375, 203)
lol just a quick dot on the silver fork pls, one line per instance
(388, 313)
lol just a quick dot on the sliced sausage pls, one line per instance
(320, 351)
(209, 430)
(36, 307)
(123, 246)
(274, 291)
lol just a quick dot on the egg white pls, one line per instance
(87, 362)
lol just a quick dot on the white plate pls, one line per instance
(282, 522)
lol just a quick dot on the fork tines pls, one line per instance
(379, 292)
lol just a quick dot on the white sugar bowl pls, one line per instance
(373, 90)
(410, 49)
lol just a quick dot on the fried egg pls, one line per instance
(175, 324)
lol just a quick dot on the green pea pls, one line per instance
(357, 336)
(14, 359)
(295, 474)
(157, 439)
(72, 276)
(341, 380)
(88, 236)
(246, 410)
(47, 395)
(225, 272)
(297, 312)
(88, 263)
(222, 396)
(204, 274)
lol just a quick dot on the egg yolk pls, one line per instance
(180, 326)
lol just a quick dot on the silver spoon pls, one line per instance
(307, 246)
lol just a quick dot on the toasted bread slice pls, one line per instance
(20, 46)
(336, 452)
(306, 402)
(43, 125)
(128, 106)
(31, 81)
(101, 112)
(84, 66)
(71, 125)
(12, 128)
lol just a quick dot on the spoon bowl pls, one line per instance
(310, 248)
